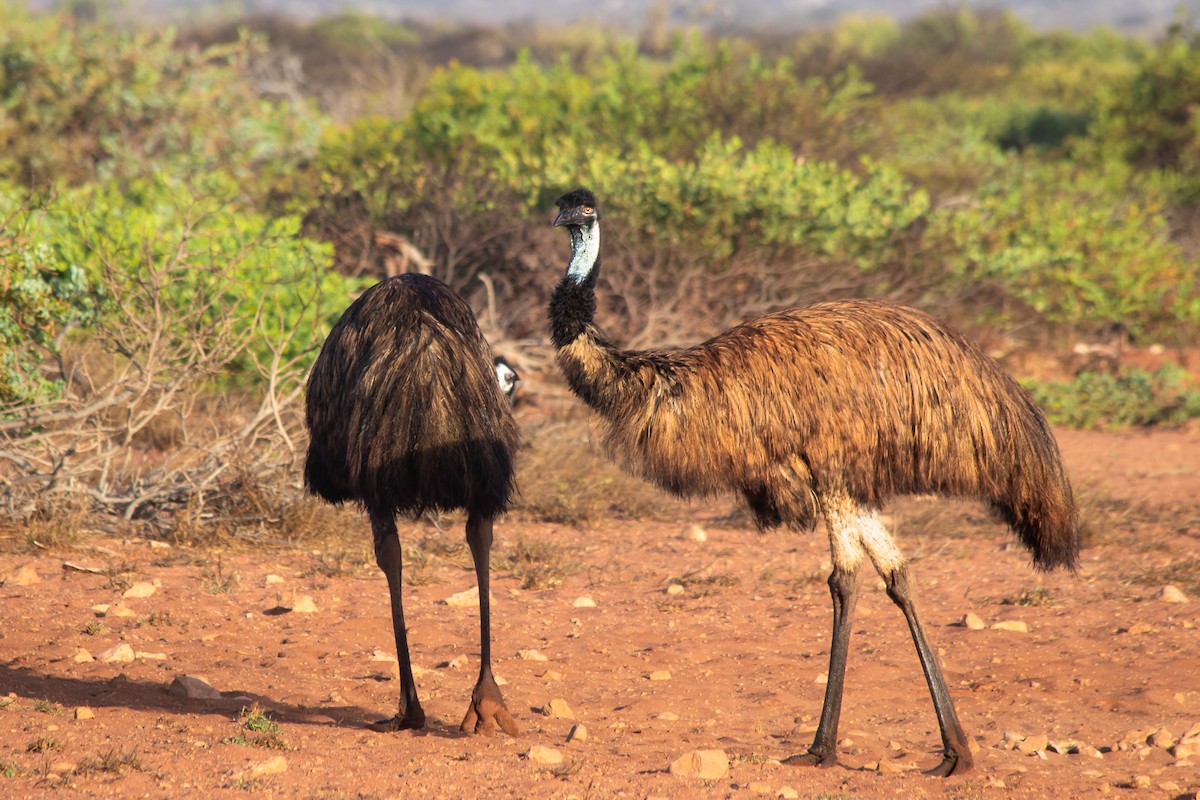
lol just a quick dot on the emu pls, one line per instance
(828, 411)
(405, 416)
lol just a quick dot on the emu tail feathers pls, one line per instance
(1036, 499)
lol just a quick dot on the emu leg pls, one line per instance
(389, 559)
(843, 588)
(487, 709)
(956, 758)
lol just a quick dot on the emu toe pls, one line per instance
(952, 764)
(409, 720)
(811, 759)
(488, 712)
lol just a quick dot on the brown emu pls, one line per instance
(827, 410)
(405, 416)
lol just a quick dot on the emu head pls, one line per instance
(577, 209)
(579, 214)
(507, 377)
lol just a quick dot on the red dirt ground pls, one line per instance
(744, 644)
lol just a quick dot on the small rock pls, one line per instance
(971, 621)
(895, 767)
(760, 787)
(1171, 594)
(531, 655)
(552, 675)
(1064, 747)
(788, 793)
(83, 712)
(157, 545)
(63, 767)
(82, 656)
(1187, 749)
(101, 609)
(540, 754)
(822, 678)
(304, 605)
(379, 655)
(117, 653)
(659, 675)
(1011, 739)
(120, 610)
(24, 575)
(193, 687)
(500, 680)
(150, 656)
(272, 580)
(668, 716)
(578, 734)
(1142, 781)
(457, 662)
(1138, 628)
(272, 766)
(1014, 625)
(468, 598)
(1191, 733)
(583, 602)
(710, 765)
(1162, 738)
(697, 534)
(1032, 744)
(557, 708)
(1089, 751)
(675, 589)
(140, 589)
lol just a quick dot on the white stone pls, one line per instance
(971, 621)
(710, 765)
(578, 734)
(1014, 625)
(140, 589)
(304, 605)
(659, 675)
(117, 653)
(557, 708)
(24, 575)
(531, 655)
(697, 534)
(584, 602)
(1171, 594)
(540, 754)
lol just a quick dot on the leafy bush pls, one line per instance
(1133, 397)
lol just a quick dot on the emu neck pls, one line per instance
(595, 370)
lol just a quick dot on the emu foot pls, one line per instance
(487, 712)
(812, 759)
(953, 763)
(412, 719)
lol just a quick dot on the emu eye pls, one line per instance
(588, 210)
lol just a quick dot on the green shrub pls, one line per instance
(1133, 397)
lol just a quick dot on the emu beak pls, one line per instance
(568, 216)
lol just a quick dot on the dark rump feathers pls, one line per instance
(404, 411)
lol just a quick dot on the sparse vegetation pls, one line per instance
(536, 563)
(1130, 397)
(112, 762)
(258, 730)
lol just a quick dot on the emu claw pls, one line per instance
(811, 759)
(952, 764)
(408, 721)
(487, 712)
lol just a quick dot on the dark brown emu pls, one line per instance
(405, 416)
(823, 411)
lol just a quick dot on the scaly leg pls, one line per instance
(390, 560)
(487, 709)
(956, 758)
(843, 587)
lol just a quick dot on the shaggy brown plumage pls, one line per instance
(827, 410)
(405, 416)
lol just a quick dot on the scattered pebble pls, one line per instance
(272, 580)
(710, 765)
(140, 589)
(1171, 594)
(117, 653)
(272, 766)
(552, 675)
(82, 656)
(457, 662)
(150, 656)
(557, 708)
(1139, 628)
(540, 754)
(822, 678)
(468, 598)
(971, 621)
(1033, 744)
(659, 675)
(578, 734)
(193, 687)
(1014, 625)
(788, 793)
(760, 787)
(83, 712)
(668, 716)
(675, 588)
(697, 534)
(379, 655)
(583, 602)
(531, 655)
(304, 605)
(24, 575)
